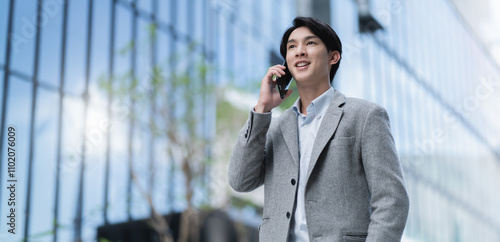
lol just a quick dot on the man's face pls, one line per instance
(307, 57)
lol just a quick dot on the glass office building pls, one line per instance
(74, 150)
(440, 87)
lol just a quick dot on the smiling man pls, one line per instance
(328, 164)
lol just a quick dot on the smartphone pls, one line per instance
(283, 81)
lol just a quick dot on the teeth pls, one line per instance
(302, 64)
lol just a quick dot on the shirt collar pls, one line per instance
(318, 106)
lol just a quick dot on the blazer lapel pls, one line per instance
(328, 126)
(289, 130)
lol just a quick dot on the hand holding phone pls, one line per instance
(269, 96)
(283, 81)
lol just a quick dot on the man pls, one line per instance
(328, 164)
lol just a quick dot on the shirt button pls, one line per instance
(293, 181)
(287, 214)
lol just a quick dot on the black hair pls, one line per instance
(320, 29)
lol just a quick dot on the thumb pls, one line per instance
(288, 93)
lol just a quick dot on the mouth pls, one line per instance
(302, 64)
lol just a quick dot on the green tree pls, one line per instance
(175, 99)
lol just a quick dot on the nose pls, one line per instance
(301, 51)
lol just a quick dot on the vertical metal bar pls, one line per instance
(230, 43)
(153, 48)
(79, 208)
(405, 86)
(190, 114)
(367, 74)
(34, 79)
(206, 101)
(171, 171)
(59, 121)
(110, 116)
(132, 112)
(410, 53)
(5, 93)
(381, 78)
(372, 48)
(426, 24)
(412, 115)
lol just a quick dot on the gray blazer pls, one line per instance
(355, 188)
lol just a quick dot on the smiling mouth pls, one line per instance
(302, 64)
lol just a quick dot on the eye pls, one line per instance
(311, 43)
(291, 46)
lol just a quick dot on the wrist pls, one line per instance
(259, 108)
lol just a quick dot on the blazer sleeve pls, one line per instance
(389, 199)
(247, 163)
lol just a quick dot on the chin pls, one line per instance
(301, 78)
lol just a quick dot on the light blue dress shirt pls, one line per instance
(308, 127)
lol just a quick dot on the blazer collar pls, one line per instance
(288, 125)
(327, 129)
(328, 126)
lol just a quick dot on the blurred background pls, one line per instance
(126, 111)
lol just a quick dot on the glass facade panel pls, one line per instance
(146, 5)
(44, 165)
(4, 23)
(101, 35)
(76, 47)
(118, 167)
(164, 8)
(50, 43)
(95, 134)
(71, 158)
(24, 37)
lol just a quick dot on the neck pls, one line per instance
(309, 93)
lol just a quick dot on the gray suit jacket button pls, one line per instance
(293, 181)
(287, 214)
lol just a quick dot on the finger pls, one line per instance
(280, 71)
(271, 72)
(274, 76)
(282, 67)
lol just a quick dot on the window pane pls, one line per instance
(50, 45)
(72, 127)
(118, 173)
(123, 41)
(164, 11)
(44, 164)
(76, 47)
(4, 21)
(23, 37)
(100, 43)
(180, 23)
(95, 165)
(144, 53)
(146, 5)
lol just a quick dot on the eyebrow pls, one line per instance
(306, 38)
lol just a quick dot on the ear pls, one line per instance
(334, 57)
